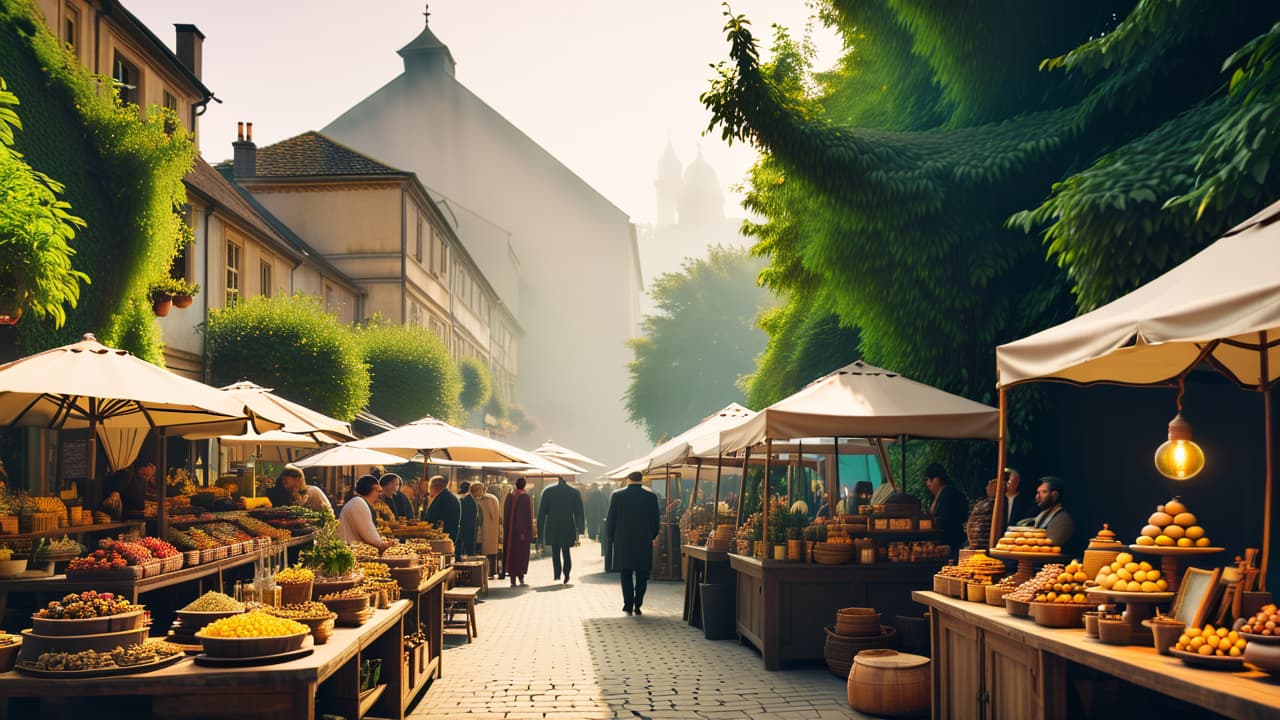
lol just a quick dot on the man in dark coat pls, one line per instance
(1019, 504)
(444, 510)
(400, 504)
(950, 508)
(560, 522)
(631, 526)
(468, 521)
(595, 511)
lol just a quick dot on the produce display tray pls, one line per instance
(1136, 597)
(206, 660)
(1174, 551)
(97, 672)
(1012, 555)
(1209, 662)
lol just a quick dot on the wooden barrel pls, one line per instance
(886, 682)
(839, 650)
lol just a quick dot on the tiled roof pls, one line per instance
(208, 182)
(313, 154)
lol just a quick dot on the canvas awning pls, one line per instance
(861, 400)
(1221, 306)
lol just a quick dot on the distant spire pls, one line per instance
(426, 13)
(426, 53)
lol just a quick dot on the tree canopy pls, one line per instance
(701, 341)
(412, 373)
(475, 382)
(969, 173)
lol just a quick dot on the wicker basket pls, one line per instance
(840, 650)
(172, 563)
(152, 568)
(859, 622)
(1059, 615)
(833, 553)
(295, 593)
(995, 595)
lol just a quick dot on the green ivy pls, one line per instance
(295, 347)
(122, 173)
(476, 385)
(411, 372)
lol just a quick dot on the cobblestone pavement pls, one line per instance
(553, 651)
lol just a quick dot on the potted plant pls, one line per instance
(171, 290)
(185, 293)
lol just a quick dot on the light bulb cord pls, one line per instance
(1182, 389)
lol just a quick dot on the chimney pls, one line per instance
(190, 48)
(245, 158)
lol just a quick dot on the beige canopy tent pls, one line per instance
(430, 436)
(562, 454)
(1220, 307)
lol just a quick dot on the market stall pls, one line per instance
(870, 555)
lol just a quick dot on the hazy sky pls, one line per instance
(601, 84)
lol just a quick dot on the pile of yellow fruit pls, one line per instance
(1265, 622)
(1068, 586)
(295, 576)
(1172, 526)
(1125, 575)
(1027, 540)
(978, 567)
(255, 624)
(1211, 641)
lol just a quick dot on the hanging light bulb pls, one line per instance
(1179, 457)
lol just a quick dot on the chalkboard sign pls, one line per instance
(73, 459)
(1196, 595)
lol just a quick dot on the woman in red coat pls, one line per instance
(517, 532)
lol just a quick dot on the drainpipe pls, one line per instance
(204, 347)
(404, 258)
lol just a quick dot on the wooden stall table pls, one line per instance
(327, 681)
(473, 573)
(989, 664)
(426, 613)
(705, 566)
(783, 607)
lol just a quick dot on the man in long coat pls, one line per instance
(490, 525)
(517, 527)
(444, 509)
(560, 522)
(595, 511)
(468, 520)
(631, 526)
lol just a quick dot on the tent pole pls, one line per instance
(764, 497)
(93, 449)
(903, 440)
(1264, 385)
(998, 512)
(715, 506)
(833, 479)
(799, 470)
(162, 514)
(697, 480)
(742, 484)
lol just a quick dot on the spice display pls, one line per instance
(88, 604)
(348, 594)
(139, 654)
(158, 548)
(363, 551)
(143, 653)
(99, 560)
(295, 575)
(400, 551)
(302, 611)
(375, 571)
(252, 625)
(214, 601)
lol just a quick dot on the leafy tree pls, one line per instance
(290, 344)
(913, 189)
(36, 229)
(412, 373)
(701, 341)
(476, 385)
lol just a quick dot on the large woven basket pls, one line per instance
(840, 650)
(833, 553)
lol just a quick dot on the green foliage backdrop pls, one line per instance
(411, 372)
(476, 385)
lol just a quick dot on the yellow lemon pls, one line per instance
(1140, 576)
(1122, 558)
(1164, 541)
(1185, 542)
(1145, 540)
(1148, 586)
(1202, 542)
(1175, 506)
(1195, 532)
(1185, 519)
(1153, 575)
(1144, 565)
(1162, 585)
(1174, 531)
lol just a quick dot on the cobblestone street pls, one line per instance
(554, 651)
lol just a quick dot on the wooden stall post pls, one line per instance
(764, 495)
(742, 486)
(999, 512)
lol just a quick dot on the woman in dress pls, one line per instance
(518, 532)
(356, 522)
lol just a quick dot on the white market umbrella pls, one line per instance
(436, 439)
(561, 453)
(347, 456)
(1220, 307)
(297, 419)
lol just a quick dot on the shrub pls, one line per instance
(292, 345)
(411, 372)
(476, 385)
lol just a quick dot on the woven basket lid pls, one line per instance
(889, 659)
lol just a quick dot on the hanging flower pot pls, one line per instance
(160, 304)
(182, 301)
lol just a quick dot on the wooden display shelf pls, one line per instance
(72, 530)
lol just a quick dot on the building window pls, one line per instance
(417, 244)
(128, 80)
(330, 298)
(233, 273)
(71, 28)
(444, 254)
(170, 102)
(264, 278)
(181, 269)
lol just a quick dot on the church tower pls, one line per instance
(700, 201)
(668, 186)
(426, 54)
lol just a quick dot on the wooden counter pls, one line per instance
(784, 606)
(427, 613)
(327, 681)
(989, 664)
(704, 566)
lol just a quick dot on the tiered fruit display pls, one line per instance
(977, 568)
(1125, 575)
(158, 548)
(1046, 578)
(1027, 540)
(1265, 622)
(88, 604)
(364, 551)
(1067, 587)
(253, 625)
(99, 560)
(1171, 525)
(1209, 640)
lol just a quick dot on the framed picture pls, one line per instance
(1196, 596)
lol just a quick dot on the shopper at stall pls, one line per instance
(313, 497)
(356, 523)
(1053, 517)
(1019, 505)
(468, 520)
(518, 525)
(560, 522)
(490, 525)
(444, 510)
(400, 505)
(632, 524)
(285, 491)
(978, 526)
(949, 507)
(127, 490)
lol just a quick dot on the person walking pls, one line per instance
(518, 511)
(490, 525)
(469, 522)
(631, 526)
(595, 511)
(444, 509)
(560, 522)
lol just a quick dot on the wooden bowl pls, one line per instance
(193, 620)
(9, 652)
(857, 622)
(13, 568)
(1210, 662)
(33, 643)
(88, 626)
(1017, 608)
(324, 587)
(398, 562)
(251, 647)
(1113, 632)
(1060, 615)
(995, 595)
(976, 592)
(342, 605)
(321, 628)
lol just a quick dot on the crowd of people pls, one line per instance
(965, 526)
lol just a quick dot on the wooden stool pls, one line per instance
(473, 573)
(462, 599)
